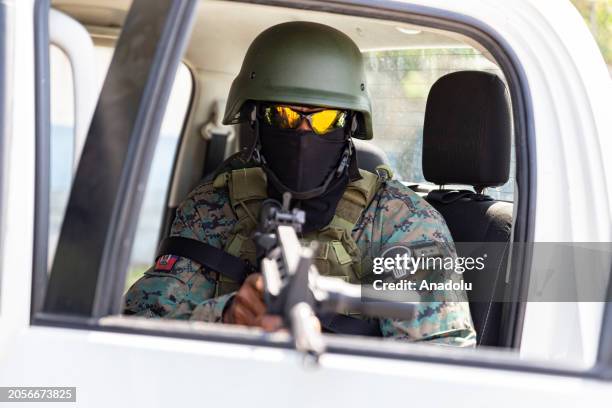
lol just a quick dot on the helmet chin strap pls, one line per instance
(344, 163)
(253, 153)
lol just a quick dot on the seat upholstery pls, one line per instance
(466, 141)
(369, 156)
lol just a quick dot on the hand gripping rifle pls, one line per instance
(294, 288)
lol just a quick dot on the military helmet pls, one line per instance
(302, 63)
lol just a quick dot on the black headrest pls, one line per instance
(467, 131)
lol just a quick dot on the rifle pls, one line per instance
(294, 288)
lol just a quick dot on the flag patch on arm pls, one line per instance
(165, 263)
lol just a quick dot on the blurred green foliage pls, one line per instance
(136, 272)
(598, 16)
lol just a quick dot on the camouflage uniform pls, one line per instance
(182, 289)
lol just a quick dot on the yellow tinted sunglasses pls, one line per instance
(322, 122)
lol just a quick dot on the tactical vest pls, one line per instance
(337, 255)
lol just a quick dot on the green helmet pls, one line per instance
(302, 63)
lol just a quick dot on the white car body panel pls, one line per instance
(111, 369)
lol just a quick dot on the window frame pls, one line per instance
(6, 93)
(42, 184)
(70, 39)
(523, 229)
(603, 365)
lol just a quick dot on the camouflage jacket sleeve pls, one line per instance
(177, 287)
(441, 318)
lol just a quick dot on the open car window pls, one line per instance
(63, 154)
(108, 220)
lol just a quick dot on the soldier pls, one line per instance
(302, 89)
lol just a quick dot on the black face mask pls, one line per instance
(303, 162)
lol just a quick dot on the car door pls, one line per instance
(76, 338)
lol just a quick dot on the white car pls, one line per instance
(110, 114)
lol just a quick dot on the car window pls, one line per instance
(399, 82)
(152, 210)
(63, 153)
(398, 117)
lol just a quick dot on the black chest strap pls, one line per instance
(237, 270)
(206, 255)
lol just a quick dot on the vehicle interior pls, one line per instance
(442, 120)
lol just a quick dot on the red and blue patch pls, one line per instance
(165, 263)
